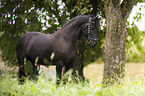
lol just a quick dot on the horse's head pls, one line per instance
(90, 29)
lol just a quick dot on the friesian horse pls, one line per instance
(61, 44)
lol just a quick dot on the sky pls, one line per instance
(140, 24)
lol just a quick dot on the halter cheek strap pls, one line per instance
(89, 31)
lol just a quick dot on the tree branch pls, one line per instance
(127, 6)
(115, 2)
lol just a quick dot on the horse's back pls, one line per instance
(23, 42)
(25, 38)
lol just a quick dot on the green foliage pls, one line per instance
(135, 44)
(79, 8)
(9, 86)
(53, 15)
(17, 17)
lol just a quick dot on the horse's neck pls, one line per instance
(72, 32)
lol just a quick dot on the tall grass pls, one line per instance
(9, 87)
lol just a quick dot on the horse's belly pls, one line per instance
(69, 58)
(46, 59)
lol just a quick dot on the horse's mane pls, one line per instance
(73, 19)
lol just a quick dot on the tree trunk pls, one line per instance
(114, 46)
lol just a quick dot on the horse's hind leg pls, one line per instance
(21, 70)
(35, 72)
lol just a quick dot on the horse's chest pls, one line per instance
(65, 56)
(64, 51)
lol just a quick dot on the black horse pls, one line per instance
(61, 44)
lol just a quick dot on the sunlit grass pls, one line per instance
(132, 85)
(9, 87)
(133, 71)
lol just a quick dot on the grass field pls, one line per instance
(133, 85)
(133, 71)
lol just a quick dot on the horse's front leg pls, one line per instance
(59, 66)
(67, 73)
(35, 72)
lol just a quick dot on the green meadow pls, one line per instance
(132, 85)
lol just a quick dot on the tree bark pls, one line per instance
(114, 46)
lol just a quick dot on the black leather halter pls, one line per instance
(89, 31)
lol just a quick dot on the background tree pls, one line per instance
(14, 20)
(116, 14)
(135, 46)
